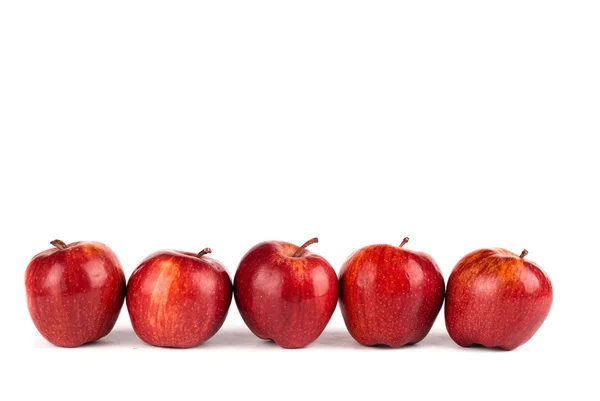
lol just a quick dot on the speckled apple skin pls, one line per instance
(284, 298)
(177, 299)
(496, 299)
(74, 295)
(390, 295)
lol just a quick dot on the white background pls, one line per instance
(149, 125)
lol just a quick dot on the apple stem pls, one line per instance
(307, 243)
(404, 241)
(204, 252)
(524, 253)
(59, 244)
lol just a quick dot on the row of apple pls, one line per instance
(388, 295)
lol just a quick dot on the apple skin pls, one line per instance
(390, 295)
(284, 298)
(496, 299)
(178, 299)
(75, 292)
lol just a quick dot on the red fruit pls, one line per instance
(496, 299)
(285, 293)
(390, 295)
(178, 299)
(75, 292)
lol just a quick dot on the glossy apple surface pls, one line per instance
(496, 299)
(75, 292)
(390, 295)
(178, 299)
(285, 293)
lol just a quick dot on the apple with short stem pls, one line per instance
(390, 295)
(285, 293)
(178, 299)
(75, 292)
(496, 298)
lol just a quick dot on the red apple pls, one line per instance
(285, 293)
(390, 295)
(75, 292)
(178, 299)
(496, 299)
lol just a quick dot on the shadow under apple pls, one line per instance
(242, 338)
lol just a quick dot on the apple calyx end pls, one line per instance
(524, 253)
(204, 252)
(59, 244)
(301, 249)
(404, 241)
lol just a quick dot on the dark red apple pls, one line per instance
(178, 299)
(496, 299)
(390, 295)
(285, 293)
(75, 292)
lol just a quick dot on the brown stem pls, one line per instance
(204, 252)
(404, 241)
(59, 244)
(524, 253)
(307, 243)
